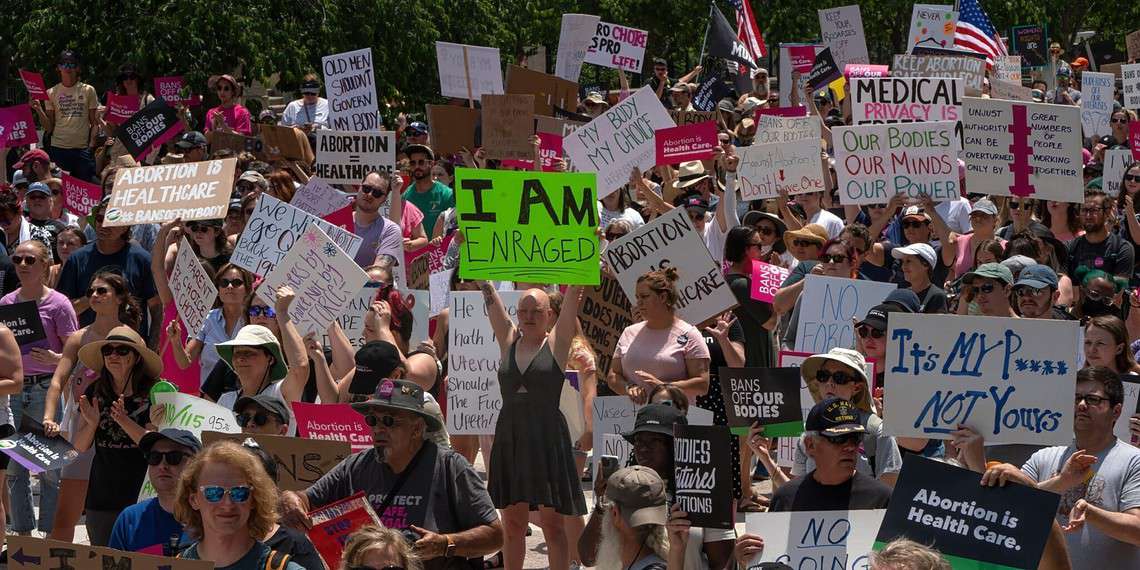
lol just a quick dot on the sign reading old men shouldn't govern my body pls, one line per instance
(1005, 378)
(702, 474)
(157, 194)
(827, 307)
(875, 162)
(351, 88)
(823, 540)
(473, 396)
(527, 226)
(345, 157)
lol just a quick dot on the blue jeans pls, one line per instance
(79, 162)
(31, 401)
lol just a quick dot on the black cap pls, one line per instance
(69, 56)
(834, 416)
(422, 148)
(660, 61)
(267, 402)
(375, 361)
(696, 203)
(191, 139)
(656, 418)
(877, 316)
(402, 395)
(311, 86)
(178, 436)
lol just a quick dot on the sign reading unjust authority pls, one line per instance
(157, 194)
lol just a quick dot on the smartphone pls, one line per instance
(609, 466)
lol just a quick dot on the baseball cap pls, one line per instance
(375, 361)
(421, 148)
(990, 271)
(640, 495)
(418, 128)
(267, 402)
(178, 436)
(984, 206)
(904, 299)
(1016, 263)
(38, 187)
(915, 212)
(69, 56)
(311, 86)
(18, 178)
(32, 155)
(922, 250)
(1037, 276)
(656, 418)
(254, 177)
(696, 203)
(1080, 62)
(877, 316)
(834, 416)
(750, 104)
(191, 139)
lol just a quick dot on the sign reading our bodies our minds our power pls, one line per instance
(528, 226)
(875, 162)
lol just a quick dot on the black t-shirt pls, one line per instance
(807, 494)
(1114, 256)
(298, 546)
(751, 315)
(932, 300)
(118, 468)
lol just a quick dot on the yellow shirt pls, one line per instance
(71, 106)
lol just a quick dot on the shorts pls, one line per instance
(5, 431)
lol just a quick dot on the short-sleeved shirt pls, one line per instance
(878, 455)
(410, 217)
(214, 331)
(1114, 486)
(256, 559)
(1114, 255)
(382, 235)
(236, 117)
(71, 107)
(660, 352)
(132, 262)
(298, 114)
(144, 525)
(829, 221)
(437, 199)
(58, 317)
(804, 493)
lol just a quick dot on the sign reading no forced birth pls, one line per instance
(157, 194)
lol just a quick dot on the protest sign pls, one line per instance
(34, 83)
(351, 319)
(323, 277)
(164, 192)
(549, 150)
(43, 553)
(971, 525)
(121, 107)
(1122, 428)
(1096, 103)
(802, 57)
(1032, 44)
(618, 47)
(345, 157)
(1002, 377)
(1008, 68)
(1134, 139)
(332, 422)
(319, 198)
(17, 127)
(710, 91)
(574, 37)
(619, 139)
(508, 123)
(300, 461)
(38, 453)
(350, 85)
(169, 89)
(613, 416)
(770, 396)
(149, 128)
(604, 313)
(671, 240)
(527, 226)
(795, 57)
(473, 397)
(842, 31)
(797, 111)
(1010, 91)
(1116, 161)
(195, 415)
(931, 25)
(970, 71)
(702, 464)
(873, 163)
(1023, 149)
(468, 72)
(273, 228)
(453, 128)
(560, 127)
(784, 156)
(290, 143)
(683, 118)
(234, 141)
(194, 291)
(24, 320)
(1130, 80)
(549, 91)
(883, 100)
(1132, 41)
(827, 308)
(334, 523)
(421, 263)
(766, 280)
(690, 142)
(823, 70)
(860, 70)
(815, 539)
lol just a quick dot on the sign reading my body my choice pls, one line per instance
(157, 194)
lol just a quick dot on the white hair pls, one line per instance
(655, 538)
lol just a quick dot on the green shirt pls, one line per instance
(437, 199)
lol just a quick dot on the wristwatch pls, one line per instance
(450, 552)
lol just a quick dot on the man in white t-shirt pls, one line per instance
(811, 202)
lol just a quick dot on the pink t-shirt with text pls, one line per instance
(59, 321)
(660, 352)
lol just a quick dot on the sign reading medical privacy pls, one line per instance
(527, 226)
(38, 453)
(671, 240)
(619, 139)
(161, 193)
(300, 461)
(971, 525)
(766, 280)
(931, 26)
(350, 85)
(25, 322)
(827, 307)
(194, 291)
(784, 156)
(34, 83)
(815, 539)
(149, 128)
(604, 313)
(873, 163)
(1096, 102)
(882, 100)
(1005, 378)
(574, 39)
(969, 70)
(332, 422)
(346, 157)
(770, 396)
(618, 47)
(842, 30)
(42, 553)
(473, 396)
(1130, 80)
(468, 72)
(690, 142)
(17, 127)
(273, 229)
(702, 464)
(193, 414)
(1023, 149)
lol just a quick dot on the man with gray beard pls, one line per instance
(633, 526)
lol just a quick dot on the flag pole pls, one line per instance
(705, 41)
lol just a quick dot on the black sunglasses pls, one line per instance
(172, 457)
(1132, 177)
(1016, 206)
(100, 290)
(197, 228)
(259, 419)
(834, 258)
(805, 243)
(235, 283)
(866, 331)
(842, 439)
(119, 349)
(386, 420)
(24, 259)
(987, 288)
(765, 230)
(840, 378)
(375, 191)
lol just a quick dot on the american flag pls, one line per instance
(747, 31)
(975, 32)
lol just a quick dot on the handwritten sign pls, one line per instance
(1132, 42)
(121, 107)
(815, 539)
(689, 142)
(468, 71)
(784, 156)
(194, 291)
(453, 128)
(300, 461)
(827, 307)
(574, 38)
(195, 415)
(1002, 377)
(613, 416)
(969, 70)
(770, 396)
(682, 118)
(272, 230)
(350, 85)
(884, 100)
(549, 150)
(797, 57)
(766, 280)
(40, 553)
(842, 30)
(1011, 91)
(38, 453)
(345, 157)
(619, 139)
(1023, 149)
(604, 313)
(618, 47)
(332, 422)
(671, 240)
(149, 128)
(875, 162)
(164, 192)
(702, 474)
(473, 397)
(1008, 68)
(931, 25)
(320, 199)
(1122, 427)
(1130, 80)
(1116, 161)
(34, 83)
(1096, 102)
(334, 524)
(17, 127)
(508, 123)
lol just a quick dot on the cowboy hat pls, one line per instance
(92, 357)
(813, 232)
(691, 173)
(259, 336)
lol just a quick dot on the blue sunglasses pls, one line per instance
(215, 493)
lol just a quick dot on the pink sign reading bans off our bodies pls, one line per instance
(17, 128)
(766, 279)
(34, 83)
(332, 422)
(866, 70)
(170, 89)
(80, 196)
(689, 142)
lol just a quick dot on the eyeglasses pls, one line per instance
(259, 419)
(386, 420)
(375, 191)
(1119, 121)
(69, 66)
(215, 493)
(24, 259)
(1089, 399)
(611, 236)
(844, 439)
(1092, 209)
(834, 258)
(912, 225)
(119, 349)
(97, 291)
(866, 331)
(765, 230)
(839, 378)
(1132, 177)
(987, 288)
(171, 457)
(1027, 291)
(805, 243)
(235, 283)
(266, 312)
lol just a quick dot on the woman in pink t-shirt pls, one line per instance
(230, 116)
(661, 349)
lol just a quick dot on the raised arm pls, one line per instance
(567, 325)
(294, 346)
(941, 230)
(58, 379)
(158, 262)
(501, 323)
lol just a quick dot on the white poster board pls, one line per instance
(783, 156)
(473, 397)
(617, 47)
(1116, 161)
(573, 39)
(345, 157)
(932, 26)
(816, 539)
(483, 69)
(875, 162)
(272, 230)
(1131, 395)
(889, 100)
(970, 70)
(1004, 377)
(613, 416)
(1130, 80)
(194, 291)
(351, 319)
(350, 84)
(318, 198)
(1011, 91)
(193, 414)
(1008, 68)
(1096, 102)
(842, 30)
(829, 307)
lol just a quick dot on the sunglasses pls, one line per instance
(259, 419)
(1119, 121)
(118, 349)
(765, 230)
(24, 259)
(224, 88)
(235, 283)
(386, 420)
(171, 457)
(266, 312)
(805, 243)
(1094, 295)
(838, 378)
(876, 206)
(1027, 291)
(842, 439)
(986, 288)
(97, 290)
(611, 236)
(866, 331)
(197, 228)
(215, 493)
(1132, 177)
(1016, 206)
(912, 225)
(375, 191)
(389, 567)
(1089, 399)
(69, 66)
(834, 258)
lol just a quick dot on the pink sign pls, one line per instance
(342, 218)
(121, 107)
(189, 381)
(335, 522)
(802, 58)
(797, 111)
(866, 70)
(34, 83)
(549, 147)
(1134, 139)
(434, 253)
(333, 422)
(696, 141)
(17, 128)
(172, 90)
(766, 280)
(80, 196)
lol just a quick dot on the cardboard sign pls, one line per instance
(671, 240)
(38, 453)
(1010, 91)
(604, 314)
(619, 139)
(873, 163)
(798, 57)
(195, 415)
(332, 422)
(1130, 80)
(618, 47)
(770, 396)
(273, 229)
(842, 31)
(683, 118)
(886, 100)
(34, 83)
(797, 111)
(574, 37)
(1032, 44)
(334, 523)
(931, 25)
(549, 91)
(824, 70)
(550, 152)
(351, 319)
(164, 192)
(1023, 149)
(1002, 377)
(79, 196)
(690, 142)
(784, 156)
(827, 307)
(508, 123)
(766, 280)
(970, 71)
(972, 526)
(148, 128)
(121, 107)
(17, 127)
(468, 72)
(300, 461)
(319, 198)
(236, 142)
(290, 143)
(194, 291)
(815, 539)
(40, 553)
(421, 263)
(1116, 161)
(1096, 103)
(702, 464)
(345, 157)
(473, 396)
(24, 321)
(1008, 68)
(852, 71)
(452, 128)
(1132, 42)
(350, 85)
